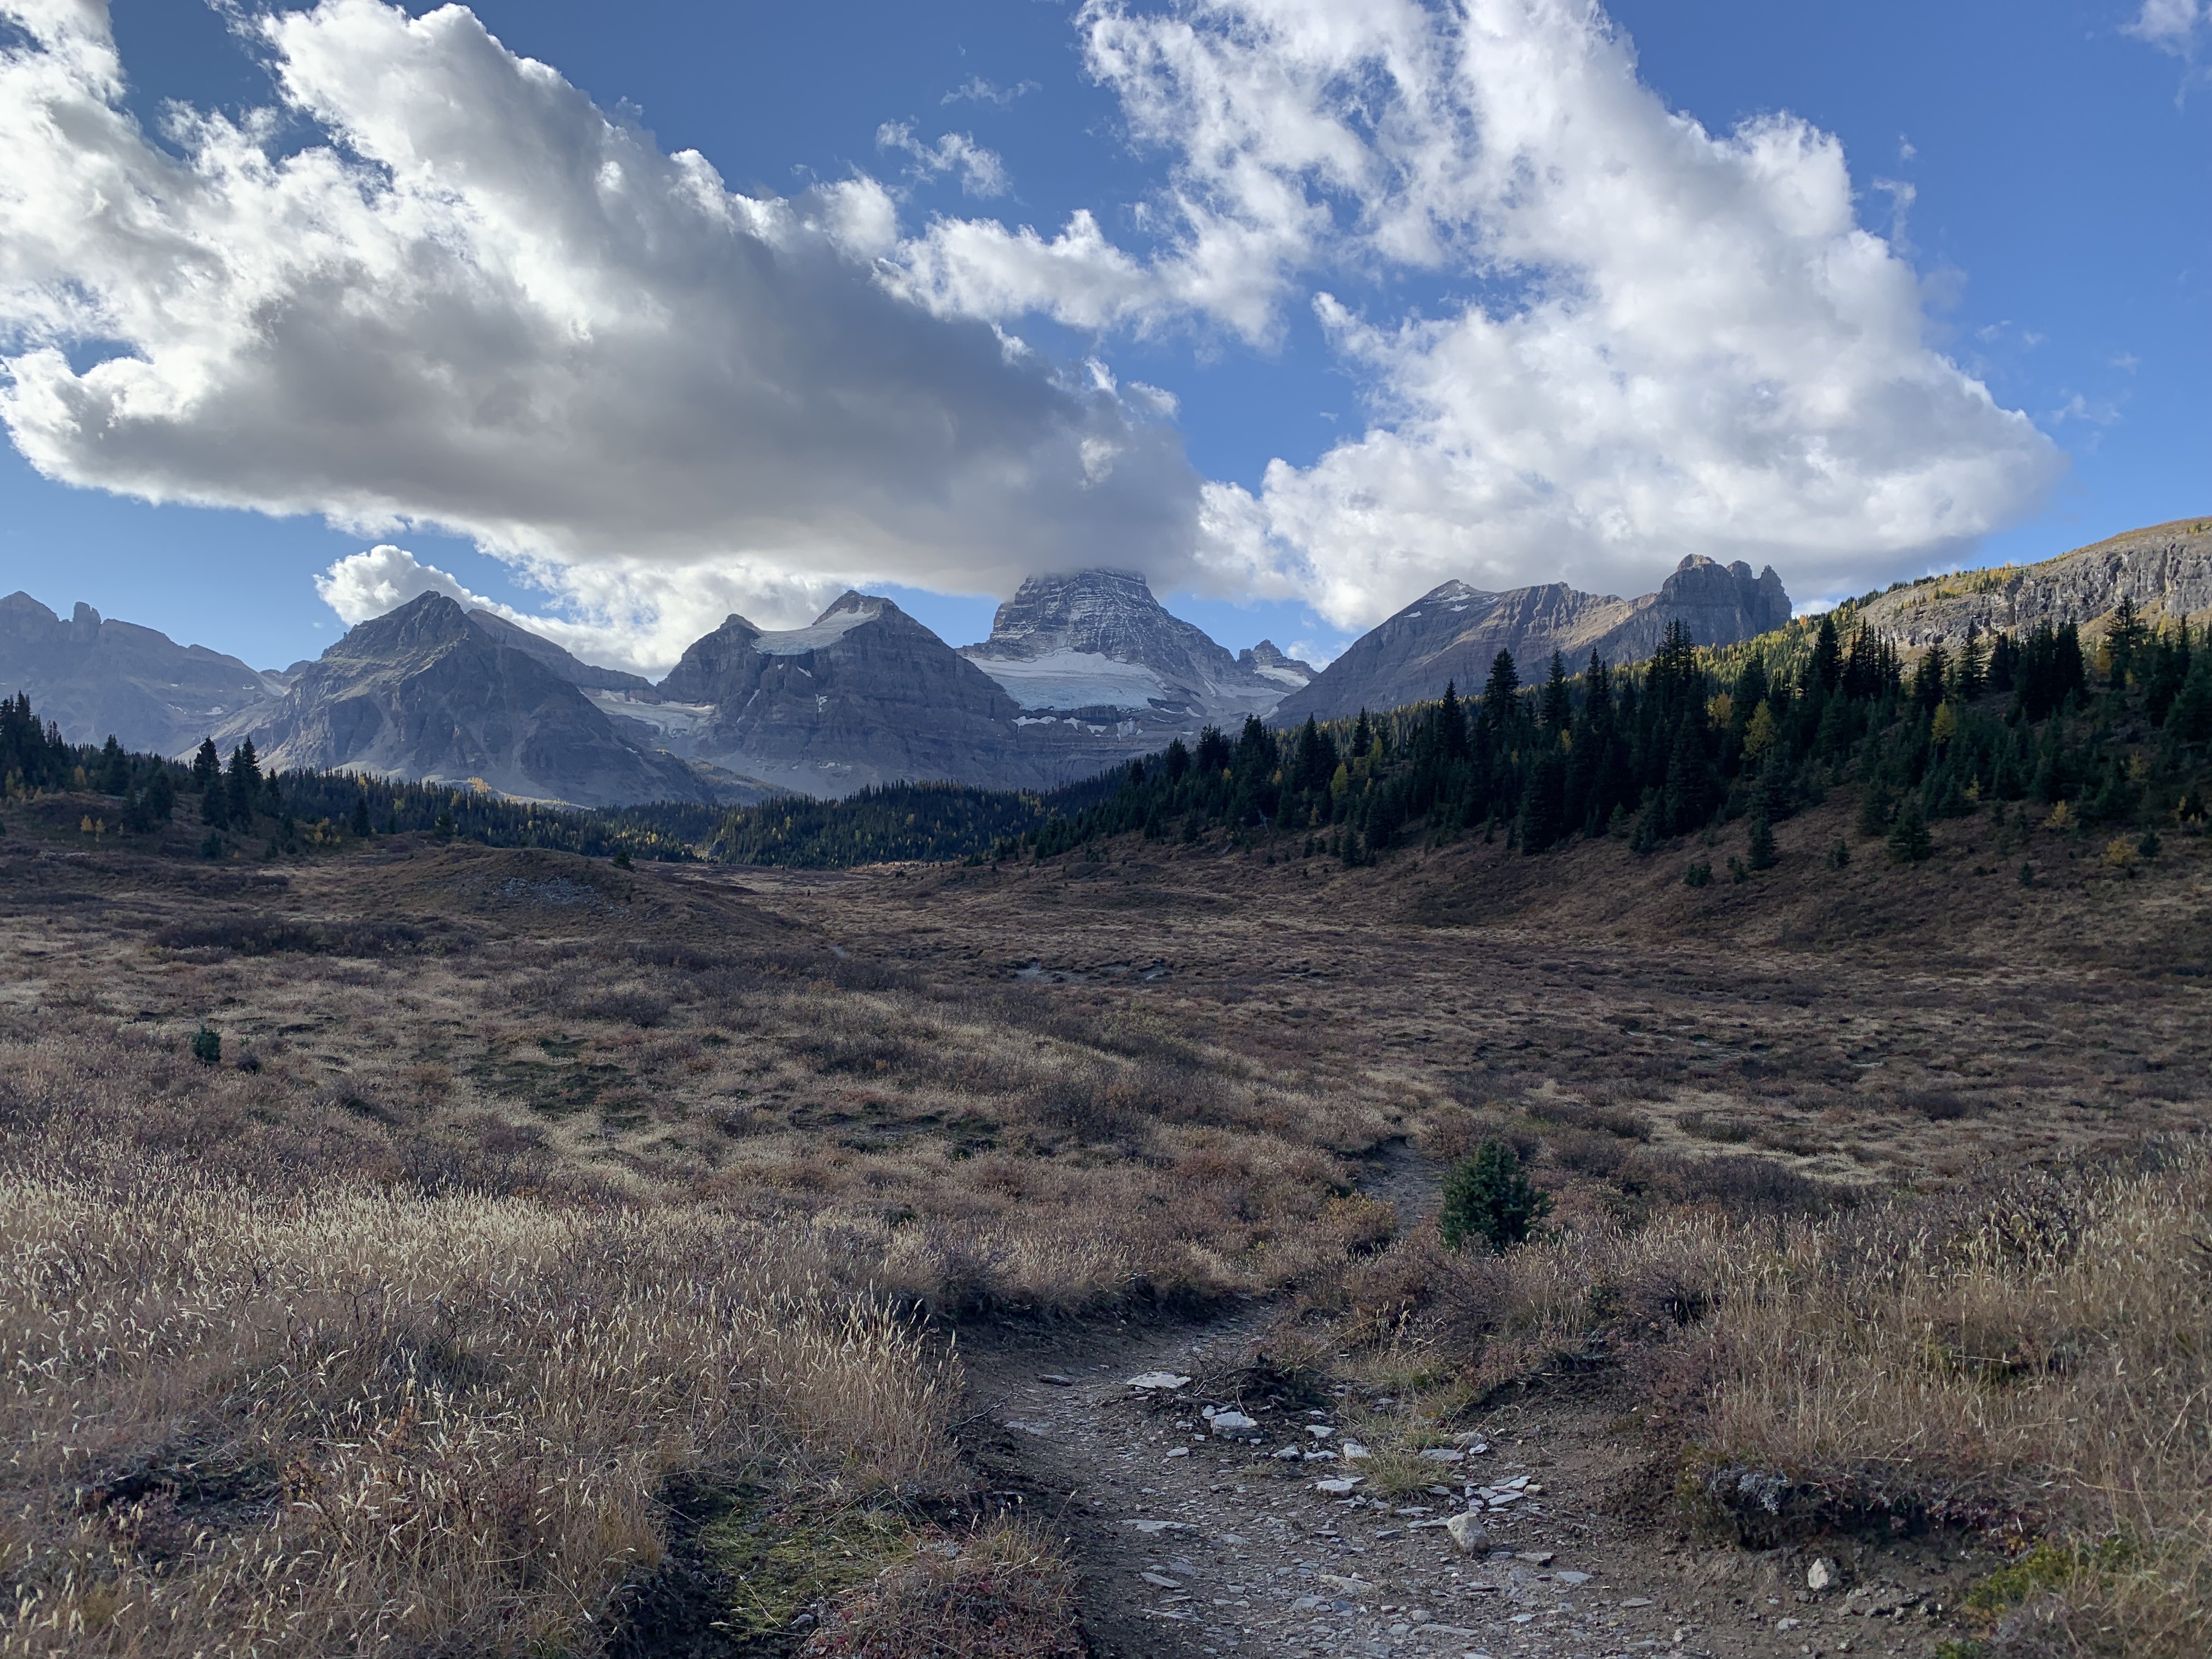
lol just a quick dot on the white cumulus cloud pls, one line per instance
(1644, 338)
(2182, 27)
(982, 173)
(384, 578)
(474, 301)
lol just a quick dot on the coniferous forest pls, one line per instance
(1693, 738)
(2112, 734)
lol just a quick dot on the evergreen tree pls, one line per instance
(1824, 672)
(1543, 803)
(207, 769)
(2004, 664)
(1178, 761)
(112, 775)
(244, 784)
(2188, 717)
(1874, 808)
(1557, 710)
(1969, 673)
(2124, 635)
(1489, 1197)
(1759, 849)
(360, 826)
(160, 795)
(1927, 678)
(1909, 841)
(1501, 695)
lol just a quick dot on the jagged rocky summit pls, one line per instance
(1097, 646)
(436, 693)
(863, 695)
(1453, 634)
(2165, 570)
(91, 677)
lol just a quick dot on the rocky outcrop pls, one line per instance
(2165, 570)
(1453, 634)
(431, 692)
(1098, 646)
(865, 695)
(94, 678)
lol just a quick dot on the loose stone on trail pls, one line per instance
(1159, 1380)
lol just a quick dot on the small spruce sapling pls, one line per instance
(1489, 1197)
(622, 858)
(1699, 874)
(1760, 852)
(207, 1046)
(1909, 841)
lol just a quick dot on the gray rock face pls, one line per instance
(432, 692)
(2166, 570)
(1452, 634)
(565, 666)
(94, 677)
(1098, 646)
(865, 695)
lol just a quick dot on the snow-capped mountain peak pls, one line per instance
(1099, 640)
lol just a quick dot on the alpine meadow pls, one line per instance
(1539, 988)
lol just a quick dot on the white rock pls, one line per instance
(1320, 1431)
(1161, 1579)
(1340, 1487)
(1443, 1454)
(1180, 1451)
(1151, 1527)
(1823, 1574)
(1353, 1451)
(1289, 1454)
(1234, 1423)
(1467, 1531)
(1159, 1380)
(1572, 1580)
(1321, 1457)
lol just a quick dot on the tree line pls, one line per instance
(1696, 737)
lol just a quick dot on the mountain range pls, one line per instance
(1452, 633)
(1081, 672)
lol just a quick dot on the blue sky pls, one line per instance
(2037, 173)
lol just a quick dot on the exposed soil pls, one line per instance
(1191, 1545)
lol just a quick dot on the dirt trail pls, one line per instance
(1190, 1544)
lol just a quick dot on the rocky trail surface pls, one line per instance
(1214, 1508)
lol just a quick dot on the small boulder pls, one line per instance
(1233, 1423)
(1466, 1530)
(1159, 1380)
(1823, 1574)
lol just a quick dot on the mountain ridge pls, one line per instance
(1451, 634)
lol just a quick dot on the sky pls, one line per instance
(621, 319)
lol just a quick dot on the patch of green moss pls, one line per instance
(781, 1562)
(2046, 1568)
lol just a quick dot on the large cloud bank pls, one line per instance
(474, 301)
(477, 303)
(1664, 340)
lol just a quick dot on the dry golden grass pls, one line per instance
(527, 1190)
(246, 1420)
(2023, 1359)
(2037, 1358)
